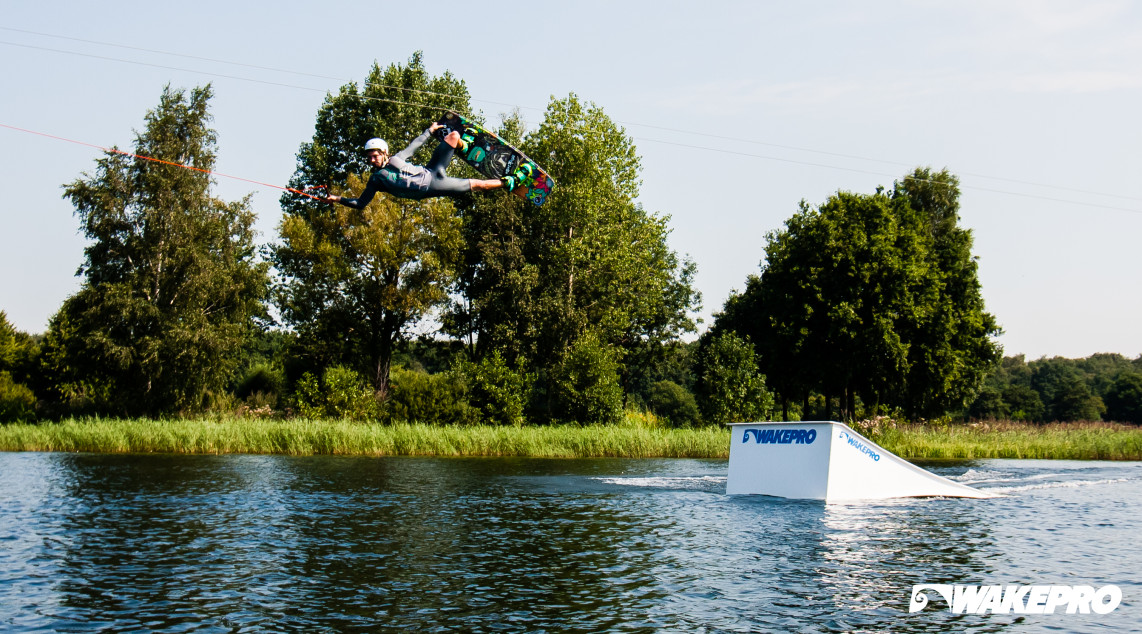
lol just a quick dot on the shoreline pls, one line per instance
(301, 437)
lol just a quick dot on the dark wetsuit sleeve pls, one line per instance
(407, 153)
(371, 189)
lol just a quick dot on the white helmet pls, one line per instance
(377, 144)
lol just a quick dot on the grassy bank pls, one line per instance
(1055, 441)
(1086, 441)
(308, 437)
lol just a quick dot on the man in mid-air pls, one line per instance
(396, 176)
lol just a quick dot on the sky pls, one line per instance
(739, 111)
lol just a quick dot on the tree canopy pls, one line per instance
(872, 296)
(171, 286)
(586, 278)
(352, 282)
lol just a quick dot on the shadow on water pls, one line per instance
(273, 543)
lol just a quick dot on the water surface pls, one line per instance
(274, 543)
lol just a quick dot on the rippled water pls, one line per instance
(272, 543)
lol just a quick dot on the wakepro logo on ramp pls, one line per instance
(781, 436)
(855, 443)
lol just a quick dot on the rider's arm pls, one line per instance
(371, 189)
(407, 153)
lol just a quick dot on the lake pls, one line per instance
(173, 543)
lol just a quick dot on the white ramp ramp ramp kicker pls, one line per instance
(826, 461)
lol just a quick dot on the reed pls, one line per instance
(637, 438)
(1055, 441)
(339, 437)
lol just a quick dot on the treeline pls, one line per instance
(1099, 387)
(486, 309)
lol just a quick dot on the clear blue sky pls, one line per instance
(739, 111)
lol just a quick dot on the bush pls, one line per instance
(261, 378)
(672, 402)
(17, 402)
(341, 393)
(585, 384)
(419, 397)
(732, 389)
(498, 393)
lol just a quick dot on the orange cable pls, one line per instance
(157, 160)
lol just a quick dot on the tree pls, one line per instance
(672, 402)
(171, 286)
(353, 282)
(590, 263)
(584, 385)
(872, 296)
(730, 388)
(19, 351)
(1124, 399)
(18, 355)
(951, 347)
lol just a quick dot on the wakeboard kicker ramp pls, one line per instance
(826, 461)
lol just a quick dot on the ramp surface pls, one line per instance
(826, 461)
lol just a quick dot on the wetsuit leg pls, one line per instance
(442, 183)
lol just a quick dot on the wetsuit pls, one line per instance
(404, 180)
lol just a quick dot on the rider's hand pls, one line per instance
(333, 198)
(436, 125)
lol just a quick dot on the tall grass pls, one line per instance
(1055, 441)
(636, 439)
(310, 437)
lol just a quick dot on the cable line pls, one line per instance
(625, 123)
(112, 150)
(906, 177)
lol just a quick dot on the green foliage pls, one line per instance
(17, 402)
(262, 383)
(341, 393)
(874, 298)
(171, 287)
(1058, 389)
(352, 282)
(591, 260)
(19, 351)
(1124, 398)
(498, 392)
(19, 360)
(730, 388)
(440, 399)
(584, 385)
(674, 403)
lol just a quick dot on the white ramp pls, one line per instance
(826, 461)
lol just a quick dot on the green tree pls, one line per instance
(19, 351)
(19, 357)
(1124, 398)
(499, 393)
(590, 262)
(353, 282)
(950, 346)
(584, 385)
(674, 403)
(171, 286)
(870, 296)
(1074, 402)
(730, 388)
